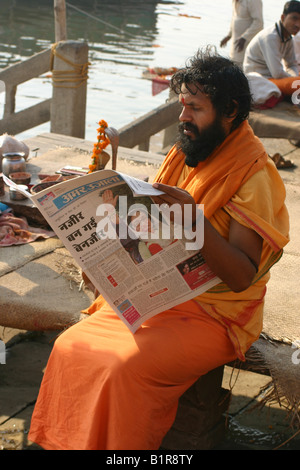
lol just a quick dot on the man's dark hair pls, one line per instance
(291, 7)
(219, 78)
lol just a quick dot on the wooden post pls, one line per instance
(60, 20)
(200, 418)
(68, 107)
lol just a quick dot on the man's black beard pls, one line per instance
(204, 142)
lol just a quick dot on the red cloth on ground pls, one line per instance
(16, 231)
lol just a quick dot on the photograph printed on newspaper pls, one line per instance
(140, 262)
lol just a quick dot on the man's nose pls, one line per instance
(184, 115)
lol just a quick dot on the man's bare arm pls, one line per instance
(234, 260)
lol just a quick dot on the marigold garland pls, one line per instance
(99, 146)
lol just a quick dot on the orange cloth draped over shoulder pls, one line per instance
(106, 388)
(214, 181)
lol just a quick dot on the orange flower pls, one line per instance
(99, 146)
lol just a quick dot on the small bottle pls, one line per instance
(13, 162)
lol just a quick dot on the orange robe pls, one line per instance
(105, 388)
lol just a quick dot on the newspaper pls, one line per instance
(138, 276)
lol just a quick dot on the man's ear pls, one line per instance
(230, 116)
(231, 112)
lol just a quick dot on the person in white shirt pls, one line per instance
(270, 62)
(246, 22)
(296, 41)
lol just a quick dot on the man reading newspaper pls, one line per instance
(106, 388)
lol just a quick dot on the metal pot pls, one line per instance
(13, 162)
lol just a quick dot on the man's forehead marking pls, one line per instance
(187, 99)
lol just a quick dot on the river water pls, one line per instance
(125, 37)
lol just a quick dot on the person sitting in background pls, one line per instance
(270, 63)
(108, 389)
(296, 41)
(246, 22)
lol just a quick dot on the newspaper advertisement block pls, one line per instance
(115, 232)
